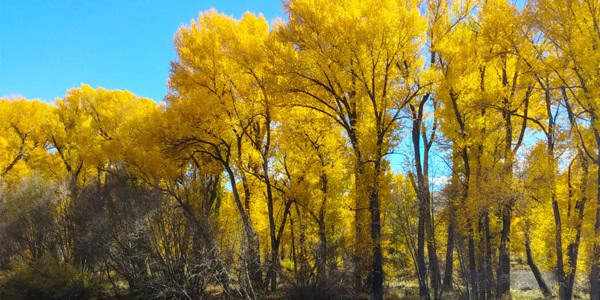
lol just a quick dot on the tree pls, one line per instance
(355, 65)
(312, 167)
(218, 68)
(576, 44)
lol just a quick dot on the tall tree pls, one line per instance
(576, 42)
(222, 64)
(356, 65)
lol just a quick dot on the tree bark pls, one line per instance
(534, 268)
(472, 265)
(447, 285)
(374, 205)
(560, 274)
(595, 272)
(485, 274)
(421, 186)
(321, 260)
(275, 262)
(573, 248)
(421, 264)
(252, 253)
(503, 288)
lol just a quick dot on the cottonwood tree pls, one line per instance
(355, 64)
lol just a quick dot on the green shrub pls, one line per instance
(45, 278)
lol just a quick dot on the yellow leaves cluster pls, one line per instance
(92, 130)
(22, 138)
(218, 83)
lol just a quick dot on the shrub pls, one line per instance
(45, 278)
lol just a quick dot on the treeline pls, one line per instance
(266, 171)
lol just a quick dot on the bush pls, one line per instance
(45, 278)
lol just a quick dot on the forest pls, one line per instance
(266, 170)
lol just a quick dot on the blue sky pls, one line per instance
(47, 47)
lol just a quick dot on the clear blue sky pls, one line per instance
(49, 46)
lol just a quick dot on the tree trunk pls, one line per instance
(252, 253)
(434, 267)
(427, 233)
(421, 265)
(294, 256)
(534, 268)
(305, 269)
(472, 265)
(488, 256)
(321, 260)
(447, 286)
(275, 262)
(595, 273)
(484, 274)
(560, 273)
(360, 256)
(374, 208)
(573, 248)
(503, 288)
